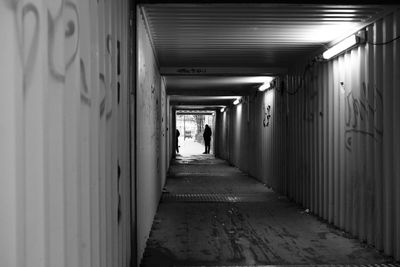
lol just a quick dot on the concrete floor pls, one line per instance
(212, 214)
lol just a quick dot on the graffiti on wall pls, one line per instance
(51, 72)
(311, 91)
(61, 16)
(27, 14)
(103, 90)
(362, 114)
(274, 101)
(85, 98)
(267, 115)
(108, 43)
(66, 15)
(311, 109)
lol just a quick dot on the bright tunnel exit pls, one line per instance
(192, 137)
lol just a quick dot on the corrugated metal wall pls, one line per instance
(251, 136)
(163, 130)
(151, 137)
(344, 156)
(170, 133)
(331, 144)
(222, 135)
(64, 146)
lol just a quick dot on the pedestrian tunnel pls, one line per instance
(302, 102)
(315, 123)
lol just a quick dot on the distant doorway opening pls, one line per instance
(191, 125)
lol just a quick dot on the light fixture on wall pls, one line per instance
(237, 101)
(345, 44)
(222, 110)
(266, 85)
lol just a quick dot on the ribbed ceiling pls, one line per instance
(248, 35)
(196, 43)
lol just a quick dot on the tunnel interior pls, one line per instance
(286, 113)
(303, 100)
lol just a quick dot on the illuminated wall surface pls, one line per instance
(151, 129)
(64, 146)
(252, 136)
(344, 152)
(340, 146)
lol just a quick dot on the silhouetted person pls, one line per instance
(207, 139)
(177, 136)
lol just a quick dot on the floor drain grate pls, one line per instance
(210, 197)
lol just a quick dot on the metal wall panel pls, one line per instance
(170, 132)
(65, 163)
(163, 151)
(151, 138)
(331, 143)
(221, 134)
(252, 136)
(343, 126)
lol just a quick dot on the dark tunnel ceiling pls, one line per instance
(204, 37)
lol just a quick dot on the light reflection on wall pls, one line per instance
(238, 115)
(237, 134)
(269, 97)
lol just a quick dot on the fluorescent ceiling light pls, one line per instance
(237, 101)
(259, 79)
(340, 47)
(188, 97)
(266, 85)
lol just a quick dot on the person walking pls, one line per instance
(177, 140)
(207, 139)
